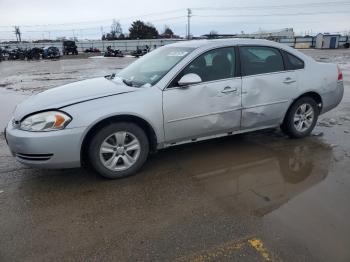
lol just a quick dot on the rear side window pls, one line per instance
(260, 60)
(292, 62)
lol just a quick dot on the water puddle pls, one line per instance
(8, 102)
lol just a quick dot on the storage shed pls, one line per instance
(327, 41)
(303, 42)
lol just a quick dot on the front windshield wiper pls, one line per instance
(127, 82)
(110, 77)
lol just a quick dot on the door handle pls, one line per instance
(288, 80)
(229, 89)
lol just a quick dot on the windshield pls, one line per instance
(149, 69)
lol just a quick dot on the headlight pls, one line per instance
(45, 121)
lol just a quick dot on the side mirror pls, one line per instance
(189, 79)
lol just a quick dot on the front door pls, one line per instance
(267, 88)
(207, 108)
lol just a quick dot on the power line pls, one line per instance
(190, 15)
(276, 14)
(88, 28)
(103, 20)
(201, 12)
(314, 4)
(168, 18)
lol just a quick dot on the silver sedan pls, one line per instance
(179, 93)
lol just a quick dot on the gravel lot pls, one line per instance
(253, 197)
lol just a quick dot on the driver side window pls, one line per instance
(213, 65)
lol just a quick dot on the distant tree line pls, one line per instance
(137, 30)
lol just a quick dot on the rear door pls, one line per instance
(267, 87)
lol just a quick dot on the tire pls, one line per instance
(117, 159)
(296, 129)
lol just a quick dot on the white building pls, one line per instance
(274, 34)
(327, 41)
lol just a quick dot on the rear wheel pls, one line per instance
(301, 118)
(118, 150)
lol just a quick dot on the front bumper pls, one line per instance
(53, 149)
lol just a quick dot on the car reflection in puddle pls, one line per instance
(253, 176)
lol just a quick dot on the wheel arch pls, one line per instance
(142, 123)
(314, 95)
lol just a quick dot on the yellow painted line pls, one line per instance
(222, 251)
(227, 249)
(215, 253)
(259, 246)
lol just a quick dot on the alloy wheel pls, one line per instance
(120, 151)
(303, 117)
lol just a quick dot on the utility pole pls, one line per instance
(189, 14)
(103, 44)
(18, 34)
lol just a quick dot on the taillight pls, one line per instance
(340, 74)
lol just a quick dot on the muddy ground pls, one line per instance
(253, 197)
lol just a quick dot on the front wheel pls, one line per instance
(118, 150)
(301, 118)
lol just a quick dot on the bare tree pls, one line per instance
(116, 29)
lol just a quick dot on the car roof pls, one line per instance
(213, 43)
(219, 42)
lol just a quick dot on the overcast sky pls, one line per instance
(46, 18)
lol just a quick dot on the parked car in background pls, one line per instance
(179, 93)
(92, 50)
(51, 52)
(69, 47)
(17, 54)
(4, 52)
(113, 52)
(34, 53)
(140, 51)
(2, 57)
(21, 53)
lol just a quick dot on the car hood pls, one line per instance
(73, 93)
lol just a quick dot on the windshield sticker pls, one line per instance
(154, 77)
(177, 53)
